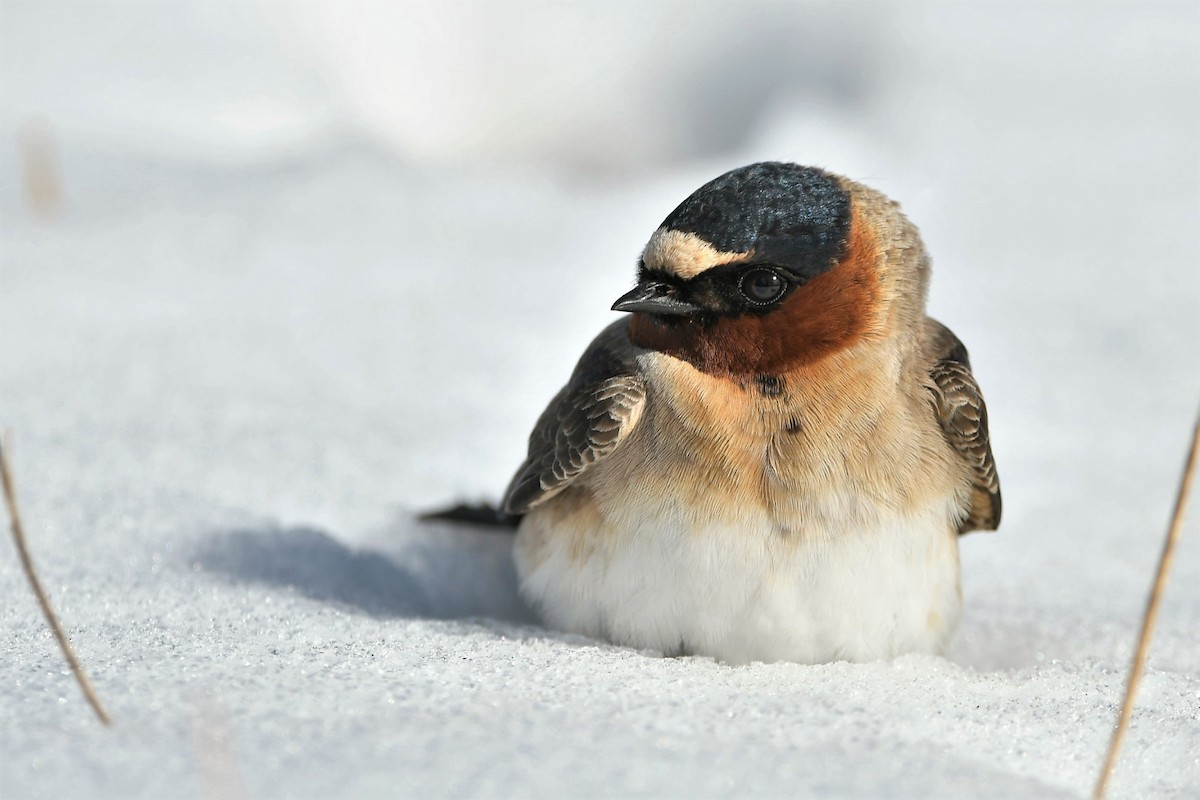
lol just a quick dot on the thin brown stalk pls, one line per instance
(18, 533)
(213, 740)
(1160, 582)
(41, 166)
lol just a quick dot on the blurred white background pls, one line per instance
(591, 85)
(604, 86)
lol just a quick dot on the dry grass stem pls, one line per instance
(18, 533)
(1160, 582)
(212, 738)
(40, 164)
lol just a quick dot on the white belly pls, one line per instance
(880, 586)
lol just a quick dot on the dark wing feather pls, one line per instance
(585, 422)
(960, 410)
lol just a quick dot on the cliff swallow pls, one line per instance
(772, 457)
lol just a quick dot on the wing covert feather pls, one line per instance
(962, 413)
(584, 423)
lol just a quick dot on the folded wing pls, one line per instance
(958, 404)
(584, 423)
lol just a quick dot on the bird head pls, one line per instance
(769, 267)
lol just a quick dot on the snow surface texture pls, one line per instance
(234, 376)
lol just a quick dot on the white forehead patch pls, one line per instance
(685, 254)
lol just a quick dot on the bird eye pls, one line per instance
(761, 286)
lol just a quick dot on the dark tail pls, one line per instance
(481, 514)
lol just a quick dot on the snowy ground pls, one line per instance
(233, 381)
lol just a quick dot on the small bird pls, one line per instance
(772, 457)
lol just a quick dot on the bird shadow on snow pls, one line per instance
(443, 571)
(423, 570)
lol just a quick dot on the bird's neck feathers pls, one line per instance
(903, 268)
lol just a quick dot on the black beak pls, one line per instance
(654, 297)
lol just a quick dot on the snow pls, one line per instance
(234, 372)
